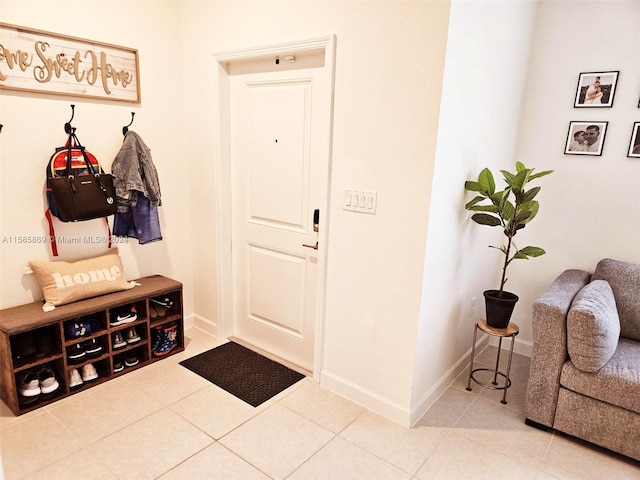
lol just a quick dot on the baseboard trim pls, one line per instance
(202, 323)
(433, 394)
(366, 398)
(523, 347)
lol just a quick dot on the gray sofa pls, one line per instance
(585, 369)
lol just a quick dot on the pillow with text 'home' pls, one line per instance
(65, 282)
(593, 327)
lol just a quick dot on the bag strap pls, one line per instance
(73, 142)
(52, 234)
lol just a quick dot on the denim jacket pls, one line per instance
(134, 173)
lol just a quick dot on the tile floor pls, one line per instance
(165, 422)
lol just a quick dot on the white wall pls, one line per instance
(484, 78)
(589, 208)
(388, 79)
(33, 127)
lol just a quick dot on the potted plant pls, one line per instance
(495, 209)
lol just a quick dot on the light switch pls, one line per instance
(369, 202)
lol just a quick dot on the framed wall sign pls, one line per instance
(596, 89)
(585, 138)
(634, 144)
(44, 62)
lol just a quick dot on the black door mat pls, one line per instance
(244, 373)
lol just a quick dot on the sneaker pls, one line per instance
(75, 380)
(89, 372)
(48, 382)
(168, 340)
(28, 385)
(118, 364)
(131, 359)
(92, 348)
(126, 315)
(118, 341)
(91, 325)
(166, 302)
(131, 335)
(75, 353)
(75, 328)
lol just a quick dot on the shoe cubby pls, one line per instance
(166, 326)
(126, 313)
(34, 347)
(40, 384)
(46, 356)
(83, 327)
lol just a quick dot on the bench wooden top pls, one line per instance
(27, 317)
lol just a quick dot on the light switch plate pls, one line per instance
(363, 201)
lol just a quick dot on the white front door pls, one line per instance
(278, 178)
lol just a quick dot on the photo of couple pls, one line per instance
(634, 145)
(585, 138)
(596, 89)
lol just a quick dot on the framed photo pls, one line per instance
(586, 138)
(634, 144)
(596, 89)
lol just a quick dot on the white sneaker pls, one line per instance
(89, 372)
(29, 385)
(48, 382)
(74, 378)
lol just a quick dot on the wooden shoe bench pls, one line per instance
(17, 323)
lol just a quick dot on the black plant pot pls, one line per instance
(499, 309)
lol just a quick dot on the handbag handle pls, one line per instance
(72, 143)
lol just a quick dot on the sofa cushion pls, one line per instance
(617, 383)
(624, 278)
(593, 327)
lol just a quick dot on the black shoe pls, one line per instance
(76, 354)
(131, 359)
(118, 364)
(166, 302)
(92, 348)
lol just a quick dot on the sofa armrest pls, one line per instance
(550, 345)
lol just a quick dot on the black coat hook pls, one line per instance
(67, 126)
(1, 127)
(125, 129)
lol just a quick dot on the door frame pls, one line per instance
(222, 169)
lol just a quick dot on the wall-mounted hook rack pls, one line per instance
(67, 126)
(125, 129)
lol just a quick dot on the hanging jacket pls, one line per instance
(135, 173)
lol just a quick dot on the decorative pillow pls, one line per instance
(66, 282)
(624, 278)
(593, 327)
